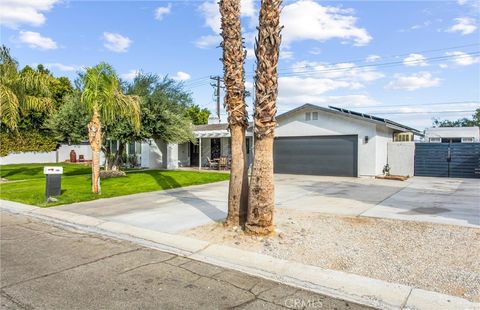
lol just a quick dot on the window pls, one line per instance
(435, 140)
(247, 143)
(314, 116)
(467, 140)
(308, 116)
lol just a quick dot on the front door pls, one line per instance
(193, 154)
(215, 148)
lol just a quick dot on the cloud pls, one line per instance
(208, 41)
(210, 11)
(308, 20)
(130, 75)
(372, 58)
(36, 40)
(464, 25)
(250, 53)
(160, 12)
(341, 71)
(181, 76)
(462, 2)
(347, 101)
(463, 59)
(116, 42)
(415, 60)
(315, 51)
(17, 12)
(62, 67)
(286, 54)
(413, 82)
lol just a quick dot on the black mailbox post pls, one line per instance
(53, 185)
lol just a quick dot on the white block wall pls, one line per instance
(401, 158)
(60, 155)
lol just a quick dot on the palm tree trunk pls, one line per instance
(95, 138)
(233, 60)
(261, 203)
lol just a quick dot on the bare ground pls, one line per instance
(442, 258)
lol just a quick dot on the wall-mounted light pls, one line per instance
(365, 139)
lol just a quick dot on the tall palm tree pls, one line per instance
(261, 195)
(103, 97)
(233, 60)
(20, 92)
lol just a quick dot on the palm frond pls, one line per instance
(8, 107)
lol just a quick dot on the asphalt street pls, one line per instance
(48, 267)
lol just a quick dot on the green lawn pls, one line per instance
(35, 171)
(76, 186)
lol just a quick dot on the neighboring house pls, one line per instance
(452, 135)
(308, 140)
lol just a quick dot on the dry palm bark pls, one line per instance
(95, 139)
(261, 194)
(233, 60)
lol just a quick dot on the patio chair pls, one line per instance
(223, 163)
(212, 163)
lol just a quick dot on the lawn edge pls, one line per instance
(354, 288)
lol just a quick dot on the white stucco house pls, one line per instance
(308, 140)
(452, 134)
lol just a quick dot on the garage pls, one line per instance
(317, 155)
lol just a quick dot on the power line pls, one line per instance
(419, 104)
(399, 55)
(373, 66)
(423, 112)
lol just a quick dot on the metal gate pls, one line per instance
(455, 160)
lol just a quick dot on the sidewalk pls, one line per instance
(340, 285)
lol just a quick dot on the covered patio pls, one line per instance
(212, 149)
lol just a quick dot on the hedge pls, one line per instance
(31, 141)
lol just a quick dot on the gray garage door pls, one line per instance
(318, 155)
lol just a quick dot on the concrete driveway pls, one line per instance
(439, 200)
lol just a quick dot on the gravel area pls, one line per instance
(442, 258)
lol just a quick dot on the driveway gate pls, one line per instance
(455, 160)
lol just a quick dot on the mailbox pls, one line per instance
(53, 185)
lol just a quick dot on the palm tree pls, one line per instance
(103, 97)
(261, 195)
(20, 92)
(233, 60)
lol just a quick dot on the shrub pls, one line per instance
(32, 141)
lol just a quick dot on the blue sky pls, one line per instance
(408, 61)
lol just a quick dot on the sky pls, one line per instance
(408, 61)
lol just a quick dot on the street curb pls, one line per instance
(337, 284)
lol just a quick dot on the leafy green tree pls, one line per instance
(462, 122)
(69, 123)
(105, 102)
(198, 115)
(21, 92)
(164, 105)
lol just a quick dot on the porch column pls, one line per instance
(199, 153)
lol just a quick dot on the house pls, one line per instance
(308, 140)
(452, 135)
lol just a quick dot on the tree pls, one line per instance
(69, 123)
(462, 122)
(21, 92)
(198, 115)
(105, 102)
(233, 61)
(164, 116)
(261, 194)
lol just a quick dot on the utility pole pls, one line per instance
(217, 93)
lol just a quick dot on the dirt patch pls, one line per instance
(442, 258)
